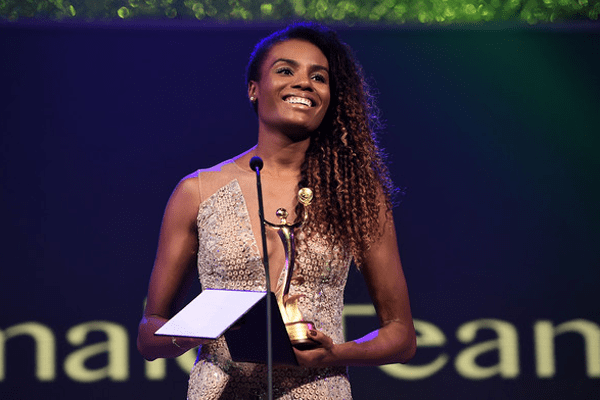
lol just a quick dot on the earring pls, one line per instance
(252, 99)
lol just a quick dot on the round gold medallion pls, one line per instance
(305, 196)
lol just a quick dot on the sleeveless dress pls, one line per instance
(228, 258)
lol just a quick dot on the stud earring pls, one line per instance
(252, 99)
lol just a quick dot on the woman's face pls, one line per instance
(293, 90)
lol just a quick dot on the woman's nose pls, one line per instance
(303, 82)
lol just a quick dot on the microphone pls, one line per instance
(256, 163)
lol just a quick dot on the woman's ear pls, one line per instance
(252, 91)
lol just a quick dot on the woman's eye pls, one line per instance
(284, 71)
(319, 78)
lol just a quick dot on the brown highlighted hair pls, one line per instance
(344, 166)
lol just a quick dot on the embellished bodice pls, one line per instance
(229, 258)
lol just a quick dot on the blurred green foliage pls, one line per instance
(386, 12)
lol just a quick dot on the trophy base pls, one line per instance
(298, 333)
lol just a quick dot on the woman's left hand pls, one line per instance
(320, 356)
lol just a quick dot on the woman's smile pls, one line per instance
(299, 100)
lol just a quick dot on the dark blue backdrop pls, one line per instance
(493, 132)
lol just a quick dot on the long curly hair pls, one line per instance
(344, 166)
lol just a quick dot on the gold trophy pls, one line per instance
(297, 328)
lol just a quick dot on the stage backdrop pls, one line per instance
(494, 134)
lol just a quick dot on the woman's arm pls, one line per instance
(173, 273)
(395, 341)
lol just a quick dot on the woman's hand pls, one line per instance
(153, 346)
(320, 356)
(188, 343)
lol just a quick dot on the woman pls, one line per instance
(315, 130)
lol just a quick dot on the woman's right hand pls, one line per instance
(153, 346)
(188, 343)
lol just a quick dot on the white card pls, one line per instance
(211, 313)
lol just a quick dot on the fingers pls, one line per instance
(188, 342)
(316, 356)
(318, 336)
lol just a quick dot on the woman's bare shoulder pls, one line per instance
(207, 181)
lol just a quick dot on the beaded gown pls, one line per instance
(228, 258)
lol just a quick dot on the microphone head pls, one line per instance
(256, 162)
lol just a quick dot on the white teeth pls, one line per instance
(299, 100)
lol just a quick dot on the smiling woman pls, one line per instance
(323, 171)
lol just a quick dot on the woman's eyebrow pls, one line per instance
(296, 63)
(286, 60)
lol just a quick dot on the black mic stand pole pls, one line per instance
(256, 163)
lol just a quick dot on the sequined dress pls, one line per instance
(228, 258)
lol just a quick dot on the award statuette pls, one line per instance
(297, 328)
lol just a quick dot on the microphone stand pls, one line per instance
(256, 163)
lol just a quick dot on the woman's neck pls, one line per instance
(281, 156)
